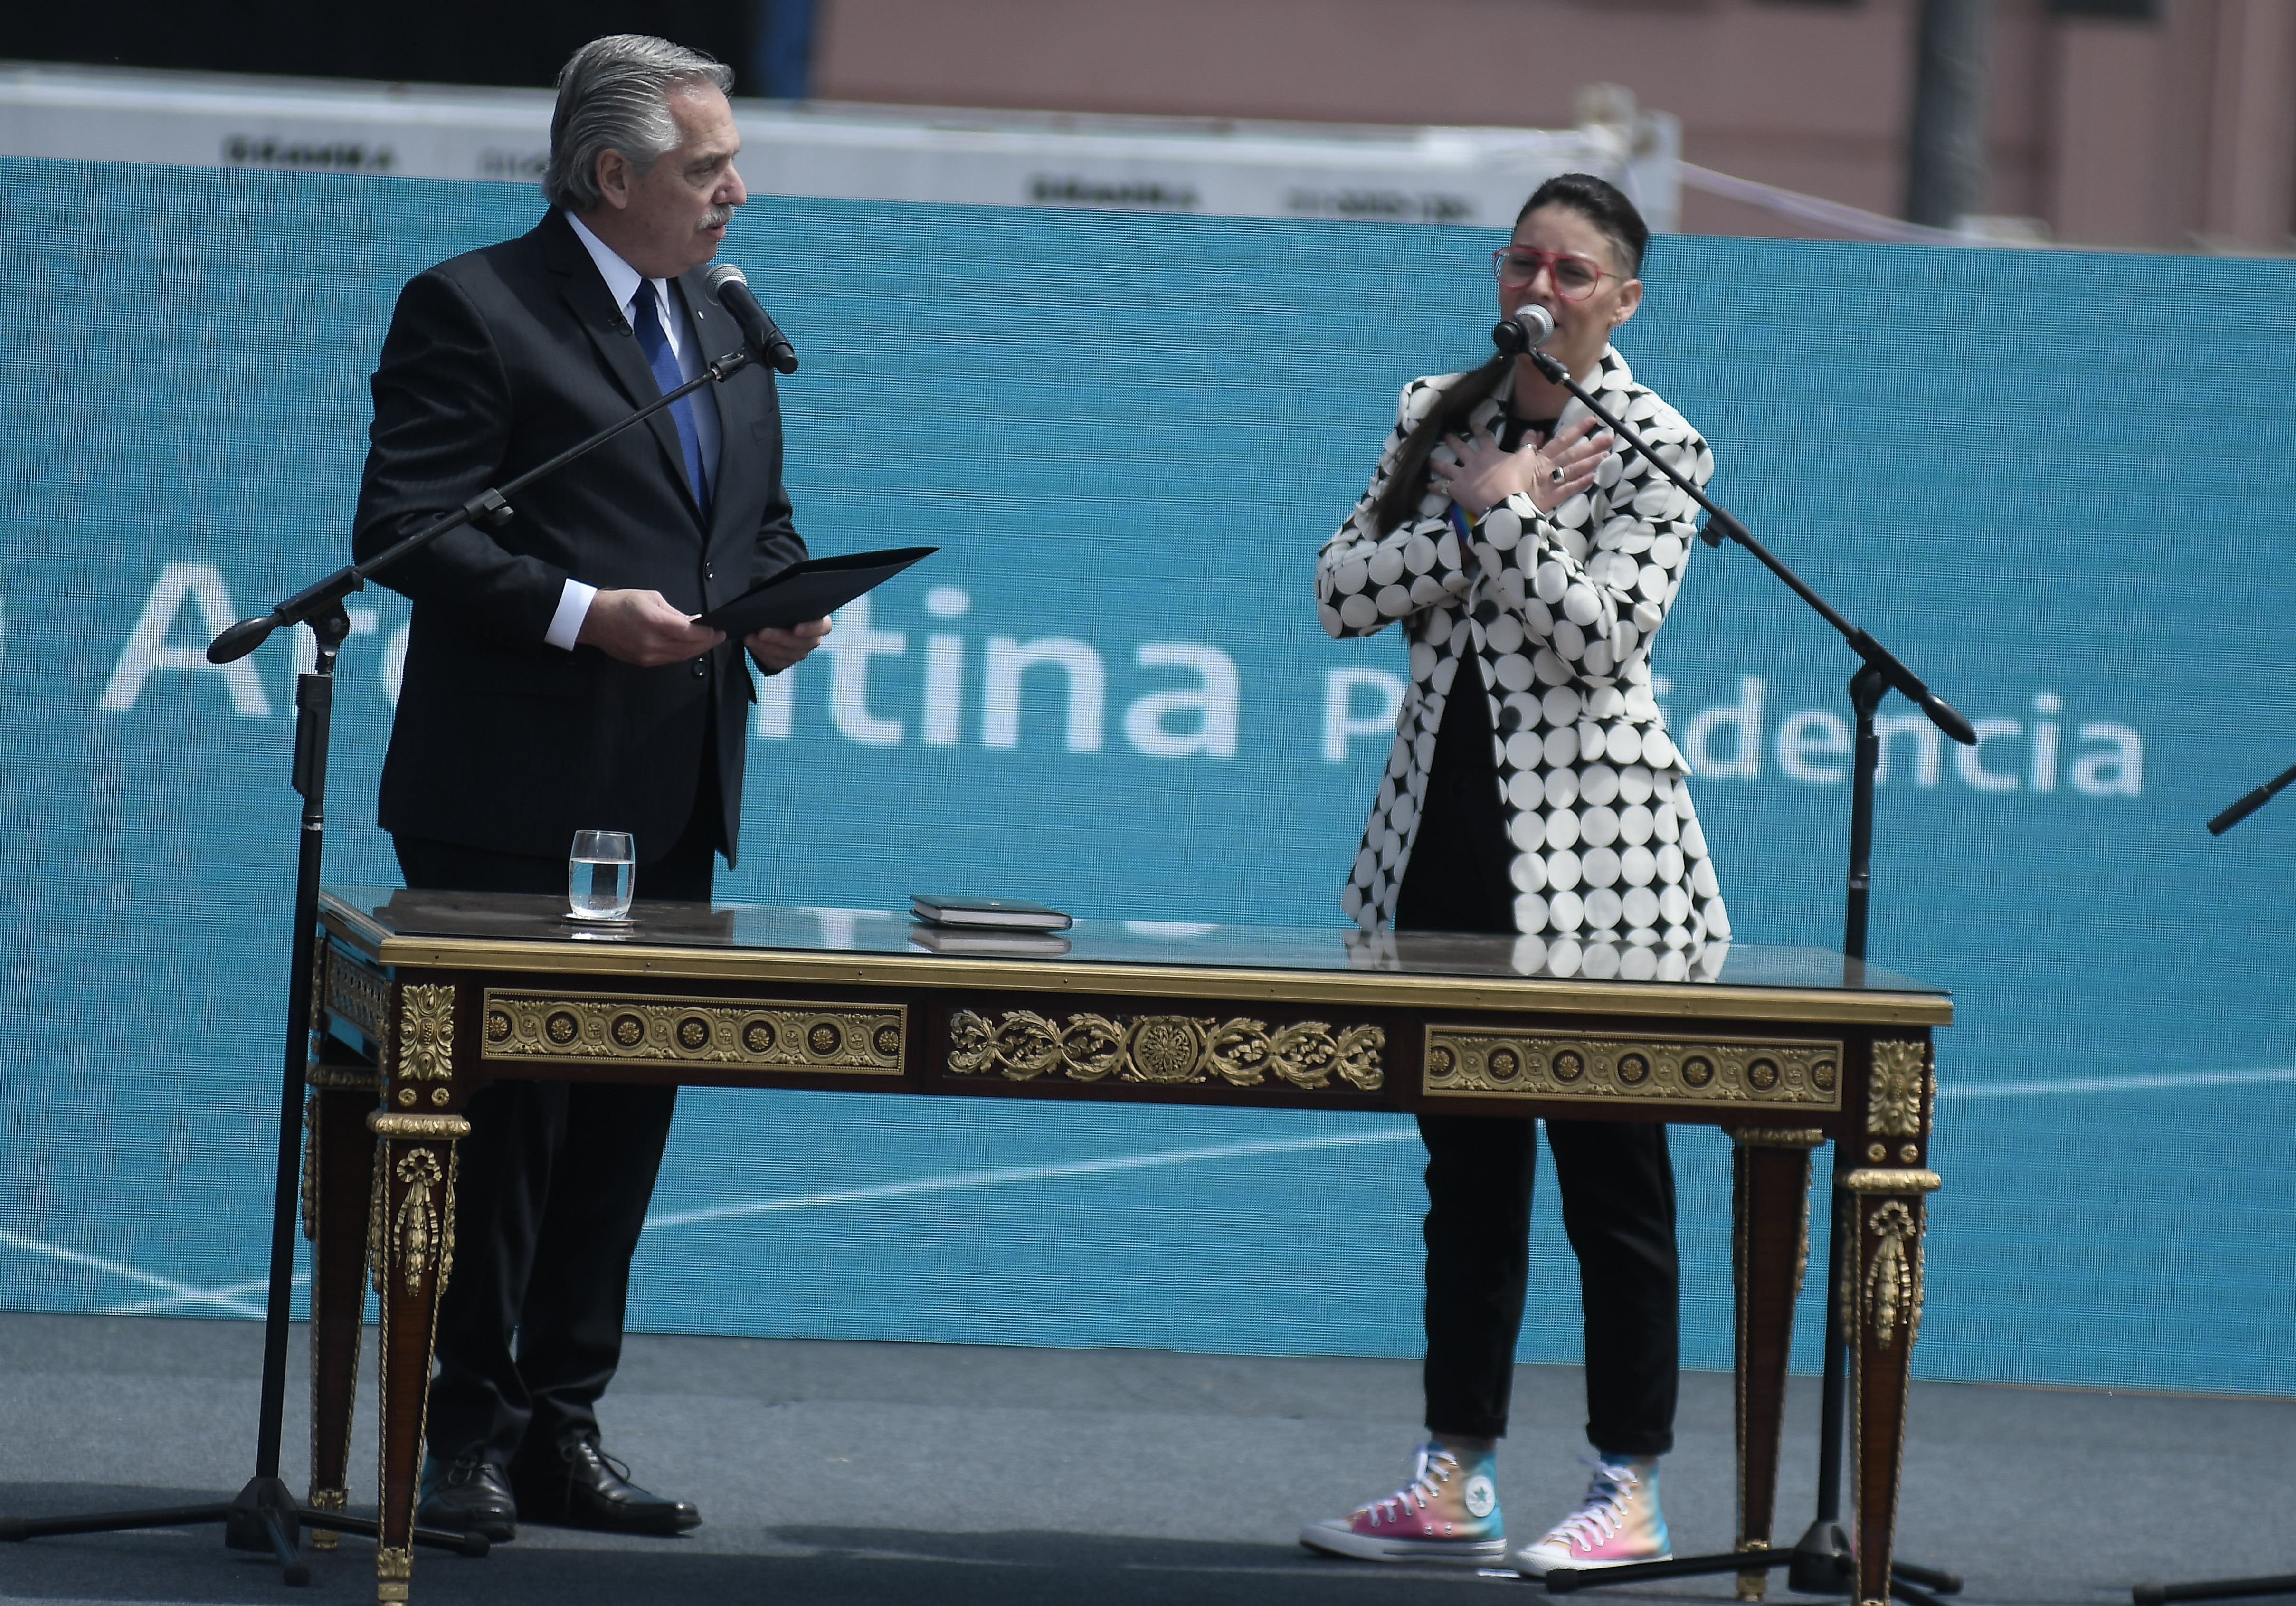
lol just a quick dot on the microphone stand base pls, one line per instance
(1822, 1562)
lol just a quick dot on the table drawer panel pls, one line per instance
(855, 1039)
(1484, 1062)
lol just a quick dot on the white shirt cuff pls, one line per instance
(573, 608)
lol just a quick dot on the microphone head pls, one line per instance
(241, 639)
(720, 271)
(1530, 328)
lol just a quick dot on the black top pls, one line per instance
(532, 935)
(1457, 880)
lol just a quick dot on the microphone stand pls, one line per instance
(264, 1515)
(2227, 1589)
(1822, 1563)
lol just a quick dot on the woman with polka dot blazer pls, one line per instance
(1530, 565)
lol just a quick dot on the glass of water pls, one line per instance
(601, 875)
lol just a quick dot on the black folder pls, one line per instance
(810, 590)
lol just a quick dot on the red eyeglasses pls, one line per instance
(1575, 277)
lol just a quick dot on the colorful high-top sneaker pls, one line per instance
(1448, 1511)
(1618, 1522)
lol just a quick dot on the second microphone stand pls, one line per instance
(2227, 1589)
(1823, 1562)
(264, 1515)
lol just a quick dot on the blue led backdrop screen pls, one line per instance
(2058, 483)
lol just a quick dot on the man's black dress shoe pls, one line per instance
(468, 1497)
(588, 1488)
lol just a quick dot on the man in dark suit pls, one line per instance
(555, 680)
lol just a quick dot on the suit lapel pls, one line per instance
(594, 305)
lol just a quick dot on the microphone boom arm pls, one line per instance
(1883, 662)
(490, 506)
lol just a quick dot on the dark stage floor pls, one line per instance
(863, 1473)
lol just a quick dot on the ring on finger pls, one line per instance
(1557, 476)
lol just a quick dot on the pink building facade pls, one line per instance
(2175, 131)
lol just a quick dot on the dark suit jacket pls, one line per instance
(495, 362)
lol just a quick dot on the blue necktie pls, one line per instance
(653, 339)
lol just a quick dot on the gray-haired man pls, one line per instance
(555, 681)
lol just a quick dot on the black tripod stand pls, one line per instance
(2227, 1589)
(264, 1515)
(1822, 1562)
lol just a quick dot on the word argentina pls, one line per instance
(1190, 709)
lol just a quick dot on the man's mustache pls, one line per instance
(717, 217)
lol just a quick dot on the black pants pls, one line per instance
(1617, 1178)
(551, 1193)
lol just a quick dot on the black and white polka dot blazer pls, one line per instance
(1556, 611)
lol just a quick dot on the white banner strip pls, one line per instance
(1853, 221)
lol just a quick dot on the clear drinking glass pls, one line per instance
(601, 875)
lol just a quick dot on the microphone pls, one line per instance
(2249, 804)
(732, 288)
(1530, 328)
(2240, 811)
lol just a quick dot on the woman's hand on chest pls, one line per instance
(1481, 476)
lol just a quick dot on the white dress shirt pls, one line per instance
(623, 283)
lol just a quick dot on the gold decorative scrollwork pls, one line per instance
(1308, 1054)
(1165, 1050)
(1893, 1281)
(394, 1567)
(971, 1046)
(1869, 1181)
(1027, 1044)
(1239, 1052)
(1170, 1048)
(378, 1195)
(311, 1167)
(1471, 1062)
(355, 992)
(325, 1500)
(340, 1078)
(1778, 1138)
(426, 1033)
(446, 1222)
(1092, 1047)
(414, 1229)
(1894, 1107)
(1753, 1585)
(318, 1020)
(862, 1039)
(1359, 1050)
(1802, 1250)
(387, 1123)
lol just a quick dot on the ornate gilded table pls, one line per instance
(425, 998)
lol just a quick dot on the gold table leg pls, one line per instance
(1881, 1292)
(338, 1164)
(414, 1255)
(1770, 1252)
(1884, 1267)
